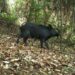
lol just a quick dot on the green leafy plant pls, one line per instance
(9, 18)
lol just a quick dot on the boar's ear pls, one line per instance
(50, 26)
(57, 29)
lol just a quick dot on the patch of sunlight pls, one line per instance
(21, 21)
(12, 2)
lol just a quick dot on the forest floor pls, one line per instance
(18, 59)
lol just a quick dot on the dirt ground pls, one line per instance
(18, 59)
